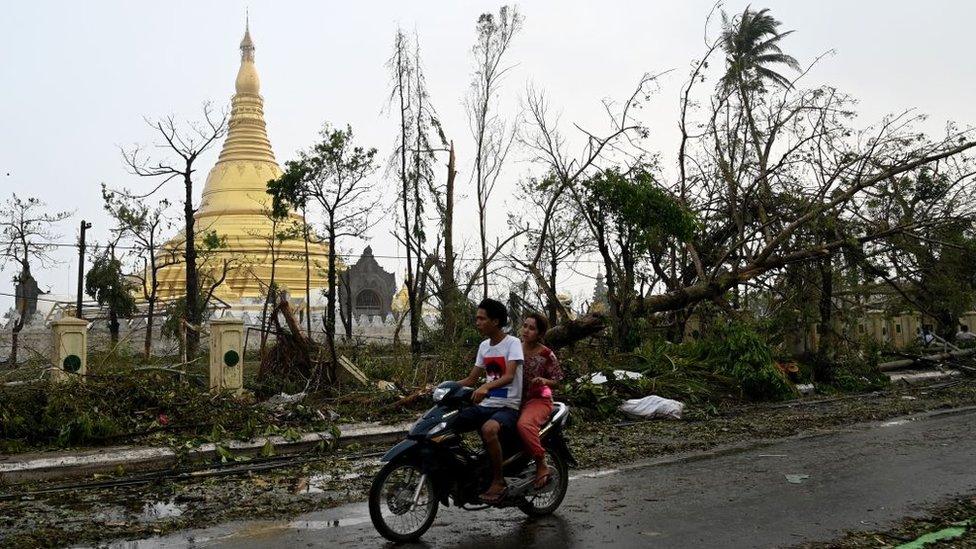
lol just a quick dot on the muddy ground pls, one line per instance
(94, 515)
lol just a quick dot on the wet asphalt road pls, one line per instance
(865, 477)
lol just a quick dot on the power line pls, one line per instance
(172, 251)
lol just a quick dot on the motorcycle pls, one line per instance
(434, 466)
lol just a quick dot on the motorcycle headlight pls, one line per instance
(440, 393)
(437, 428)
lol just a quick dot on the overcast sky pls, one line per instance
(78, 77)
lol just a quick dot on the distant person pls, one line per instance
(925, 336)
(964, 335)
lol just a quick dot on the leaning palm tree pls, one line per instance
(751, 45)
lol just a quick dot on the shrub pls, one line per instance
(736, 350)
(123, 405)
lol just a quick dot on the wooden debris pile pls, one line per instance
(293, 357)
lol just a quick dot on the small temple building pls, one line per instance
(370, 288)
(236, 207)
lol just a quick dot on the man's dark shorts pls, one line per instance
(471, 419)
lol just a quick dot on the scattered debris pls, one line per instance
(349, 372)
(63, 518)
(384, 385)
(412, 397)
(301, 485)
(598, 378)
(796, 479)
(806, 389)
(788, 368)
(912, 378)
(930, 359)
(953, 532)
(278, 402)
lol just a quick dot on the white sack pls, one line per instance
(653, 406)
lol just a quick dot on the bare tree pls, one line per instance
(449, 296)
(412, 162)
(144, 228)
(28, 234)
(186, 142)
(492, 136)
(281, 231)
(549, 148)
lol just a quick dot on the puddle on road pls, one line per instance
(235, 532)
(157, 510)
(321, 483)
(326, 524)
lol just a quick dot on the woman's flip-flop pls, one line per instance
(542, 481)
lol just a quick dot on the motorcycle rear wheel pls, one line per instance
(391, 506)
(549, 498)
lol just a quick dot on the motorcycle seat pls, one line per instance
(558, 408)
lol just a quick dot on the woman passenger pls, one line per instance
(540, 374)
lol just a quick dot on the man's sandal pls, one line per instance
(497, 498)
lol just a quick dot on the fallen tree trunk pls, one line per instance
(907, 362)
(568, 332)
(416, 395)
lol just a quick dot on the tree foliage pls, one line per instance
(107, 284)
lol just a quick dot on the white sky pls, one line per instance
(76, 78)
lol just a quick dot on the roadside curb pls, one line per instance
(22, 468)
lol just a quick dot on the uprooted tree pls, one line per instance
(770, 173)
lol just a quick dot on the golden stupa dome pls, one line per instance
(236, 207)
(401, 301)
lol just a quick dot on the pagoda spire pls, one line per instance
(247, 135)
(239, 179)
(247, 45)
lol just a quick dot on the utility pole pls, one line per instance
(81, 265)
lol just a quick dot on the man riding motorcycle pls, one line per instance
(500, 359)
(433, 466)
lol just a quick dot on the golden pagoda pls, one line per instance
(236, 207)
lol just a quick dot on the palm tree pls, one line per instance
(751, 45)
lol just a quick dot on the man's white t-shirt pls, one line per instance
(494, 359)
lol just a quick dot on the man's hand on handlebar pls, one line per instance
(479, 394)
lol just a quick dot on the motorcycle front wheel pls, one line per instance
(402, 504)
